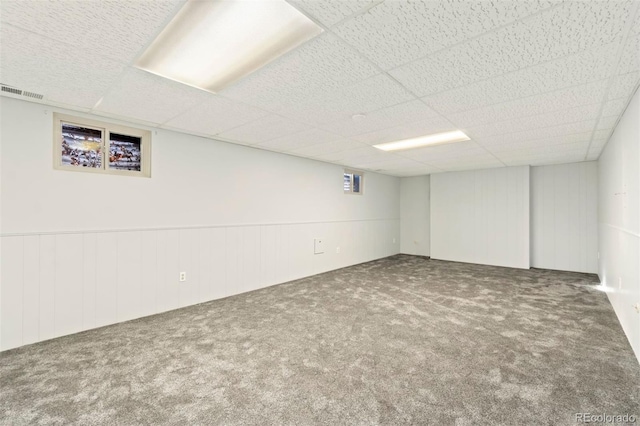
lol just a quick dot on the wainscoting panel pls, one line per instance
(58, 284)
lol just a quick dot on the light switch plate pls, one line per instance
(318, 245)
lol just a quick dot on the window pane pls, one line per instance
(125, 152)
(81, 146)
(347, 182)
(356, 183)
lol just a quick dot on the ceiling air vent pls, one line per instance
(11, 90)
(14, 91)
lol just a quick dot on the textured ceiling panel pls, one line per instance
(149, 97)
(515, 144)
(540, 121)
(299, 140)
(584, 67)
(623, 85)
(322, 64)
(552, 34)
(214, 116)
(607, 122)
(330, 12)
(597, 145)
(533, 105)
(418, 171)
(111, 28)
(394, 32)
(326, 148)
(264, 129)
(614, 107)
(369, 95)
(537, 134)
(426, 126)
(383, 118)
(480, 162)
(390, 164)
(37, 64)
(460, 150)
(630, 60)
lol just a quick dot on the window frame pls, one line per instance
(353, 173)
(107, 129)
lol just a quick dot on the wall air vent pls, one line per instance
(14, 91)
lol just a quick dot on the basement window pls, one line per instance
(86, 145)
(353, 182)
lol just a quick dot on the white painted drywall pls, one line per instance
(619, 220)
(85, 250)
(564, 217)
(414, 215)
(481, 216)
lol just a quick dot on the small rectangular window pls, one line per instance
(353, 182)
(92, 146)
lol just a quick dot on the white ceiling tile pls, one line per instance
(533, 105)
(635, 27)
(602, 134)
(614, 107)
(148, 97)
(299, 140)
(418, 171)
(630, 59)
(560, 131)
(264, 129)
(393, 163)
(554, 33)
(383, 118)
(623, 85)
(423, 127)
(485, 162)
(369, 95)
(111, 28)
(589, 66)
(562, 158)
(215, 115)
(320, 65)
(539, 121)
(330, 12)
(507, 152)
(326, 148)
(607, 122)
(513, 144)
(597, 145)
(394, 33)
(36, 64)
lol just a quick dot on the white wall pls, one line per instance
(619, 220)
(84, 250)
(481, 216)
(564, 217)
(414, 215)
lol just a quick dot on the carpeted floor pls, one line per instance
(402, 340)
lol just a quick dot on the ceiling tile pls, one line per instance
(630, 59)
(515, 144)
(264, 129)
(215, 115)
(458, 151)
(539, 121)
(148, 97)
(602, 134)
(326, 148)
(418, 171)
(560, 131)
(383, 118)
(423, 127)
(111, 28)
(552, 34)
(37, 64)
(596, 148)
(330, 12)
(394, 33)
(533, 105)
(607, 122)
(369, 95)
(393, 163)
(484, 162)
(320, 65)
(614, 107)
(299, 140)
(623, 85)
(589, 66)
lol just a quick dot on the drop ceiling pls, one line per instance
(531, 82)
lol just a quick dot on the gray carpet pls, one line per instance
(402, 340)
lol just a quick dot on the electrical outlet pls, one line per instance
(637, 306)
(394, 241)
(183, 276)
(619, 283)
(338, 250)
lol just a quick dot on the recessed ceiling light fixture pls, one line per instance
(437, 139)
(212, 44)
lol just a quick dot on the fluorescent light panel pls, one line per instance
(210, 44)
(437, 139)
